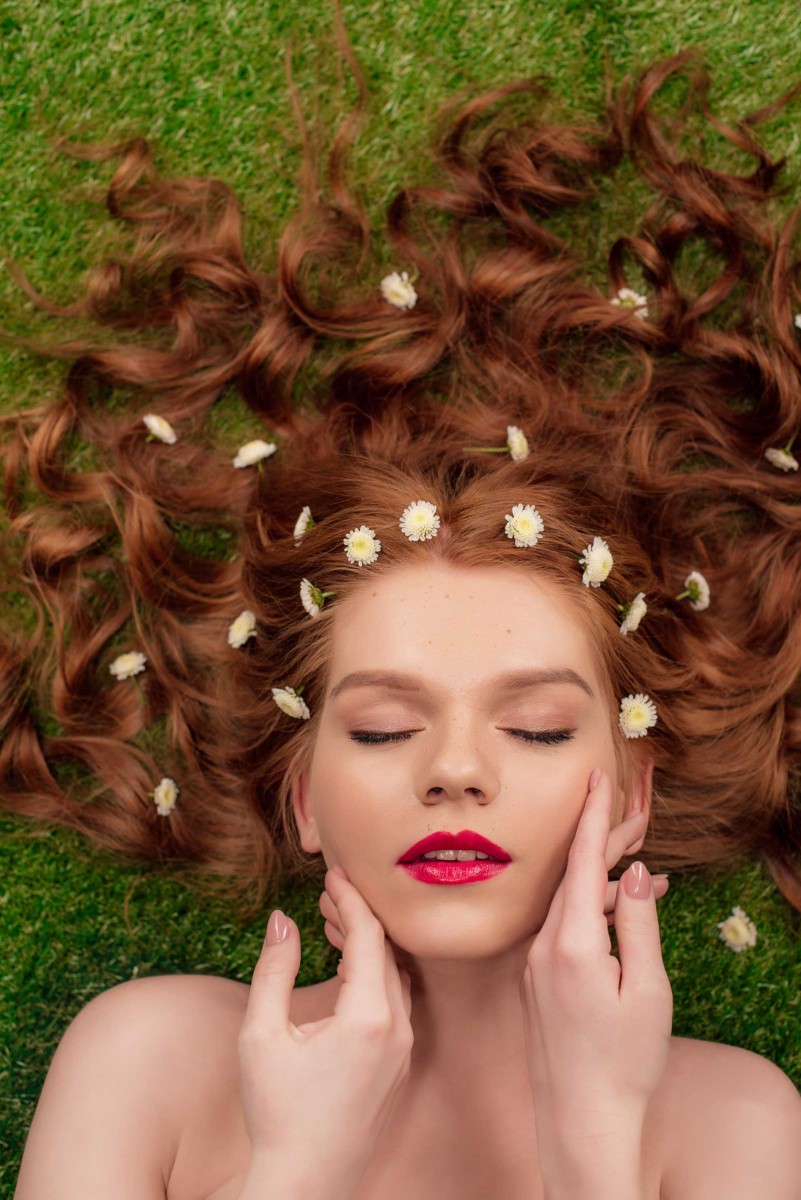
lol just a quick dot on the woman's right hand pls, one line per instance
(326, 1088)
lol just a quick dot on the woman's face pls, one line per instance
(454, 633)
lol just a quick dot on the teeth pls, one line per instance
(455, 855)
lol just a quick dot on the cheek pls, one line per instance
(350, 808)
(558, 780)
(559, 799)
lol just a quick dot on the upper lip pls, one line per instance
(466, 840)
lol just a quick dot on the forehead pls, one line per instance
(472, 622)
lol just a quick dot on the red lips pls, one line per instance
(466, 840)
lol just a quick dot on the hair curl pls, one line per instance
(648, 432)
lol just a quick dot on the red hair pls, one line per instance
(647, 432)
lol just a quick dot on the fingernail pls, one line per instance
(277, 927)
(339, 871)
(596, 775)
(637, 881)
(666, 875)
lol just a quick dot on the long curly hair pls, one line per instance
(647, 428)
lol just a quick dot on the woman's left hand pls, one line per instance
(597, 1029)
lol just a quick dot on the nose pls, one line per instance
(457, 766)
(441, 791)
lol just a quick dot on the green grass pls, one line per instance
(204, 82)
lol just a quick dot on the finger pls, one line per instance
(406, 985)
(333, 928)
(405, 981)
(583, 888)
(398, 983)
(363, 954)
(393, 980)
(396, 993)
(621, 838)
(553, 916)
(334, 936)
(624, 836)
(274, 980)
(661, 885)
(532, 1025)
(637, 929)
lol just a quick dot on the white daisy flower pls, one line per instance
(398, 290)
(524, 524)
(782, 459)
(634, 613)
(637, 715)
(160, 428)
(289, 701)
(304, 522)
(738, 931)
(697, 590)
(242, 628)
(362, 546)
(126, 665)
(312, 598)
(253, 452)
(626, 298)
(164, 796)
(797, 320)
(419, 521)
(517, 442)
(516, 445)
(597, 561)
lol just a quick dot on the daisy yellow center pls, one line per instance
(637, 715)
(737, 931)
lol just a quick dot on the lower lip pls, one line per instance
(454, 872)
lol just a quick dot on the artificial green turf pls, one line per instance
(204, 82)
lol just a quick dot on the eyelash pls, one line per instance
(548, 737)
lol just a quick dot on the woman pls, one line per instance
(559, 531)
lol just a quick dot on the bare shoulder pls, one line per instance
(200, 1017)
(109, 1109)
(733, 1119)
(185, 1030)
(183, 1022)
(209, 1145)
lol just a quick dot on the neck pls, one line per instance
(467, 1017)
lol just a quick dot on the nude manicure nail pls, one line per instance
(637, 881)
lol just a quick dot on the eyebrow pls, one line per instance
(511, 681)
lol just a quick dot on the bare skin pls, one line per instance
(466, 1124)
(489, 1136)
(362, 805)
(467, 1101)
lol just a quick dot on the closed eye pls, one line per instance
(545, 737)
